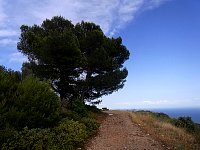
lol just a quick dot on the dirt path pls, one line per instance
(117, 132)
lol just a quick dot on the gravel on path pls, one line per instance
(118, 132)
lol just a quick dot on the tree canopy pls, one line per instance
(80, 60)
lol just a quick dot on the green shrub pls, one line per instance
(93, 108)
(32, 104)
(71, 115)
(91, 125)
(68, 135)
(185, 122)
(40, 103)
(79, 107)
(8, 86)
(6, 134)
(29, 107)
(162, 117)
(34, 139)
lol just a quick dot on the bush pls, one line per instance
(29, 139)
(91, 125)
(68, 135)
(39, 102)
(6, 134)
(8, 85)
(93, 108)
(79, 110)
(79, 107)
(28, 108)
(185, 122)
(71, 115)
(31, 104)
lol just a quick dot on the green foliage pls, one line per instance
(186, 123)
(29, 102)
(79, 108)
(40, 104)
(79, 59)
(93, 108)
(28, 107)
(68, 135)
(53, 52)
(71, 115)
(91, 125)
(8, 85)
(163, 117)
(28, 139)
(197, 133)
(6, 134)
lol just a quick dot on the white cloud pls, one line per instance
(2, 12)
(100, 12)
(154, 3)
(156, 102)
(17, 57)
(8, 32)
(7, 41)
(196, 99)
(125, 103)
(112, 15)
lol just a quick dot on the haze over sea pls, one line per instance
(194, 113)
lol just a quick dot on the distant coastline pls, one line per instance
(194, 113)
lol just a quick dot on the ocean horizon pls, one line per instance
(194, 113)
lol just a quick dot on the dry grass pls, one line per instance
(165, 132)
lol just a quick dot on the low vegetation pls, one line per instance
(180, 134)
(31, 116)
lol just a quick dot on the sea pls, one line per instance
(194, 113)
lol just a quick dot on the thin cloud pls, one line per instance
(125, 104)
(2, 13)
(8, 41)
(111, 15)
(17, 57)
(8, 32)
(156, 102)
(196, 99)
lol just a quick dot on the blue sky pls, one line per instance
(163, 37)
